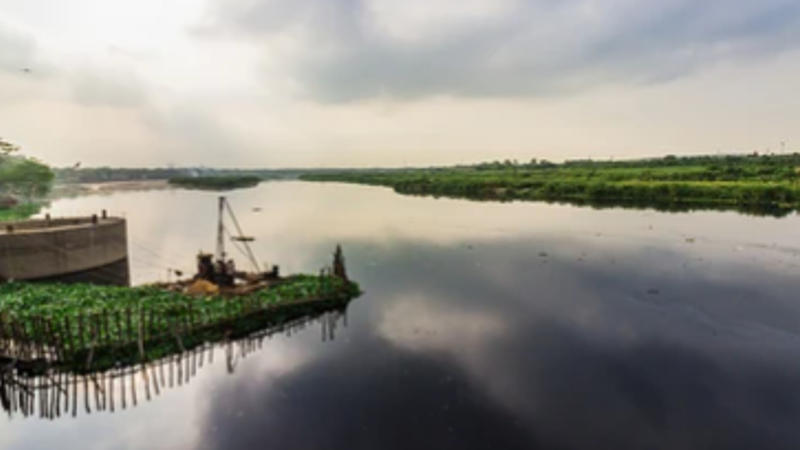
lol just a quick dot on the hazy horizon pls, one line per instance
(376, 83)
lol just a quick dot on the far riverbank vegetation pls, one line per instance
(754, 184)
(216, 182)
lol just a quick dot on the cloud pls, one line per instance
(355, 49)
(16, 51)
(105, 89)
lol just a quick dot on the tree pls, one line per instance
(26, 177)
(7, 148)
(22, 176)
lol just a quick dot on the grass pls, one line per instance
(749, 183)
(19, 212)
(215, 182)
(107, 321)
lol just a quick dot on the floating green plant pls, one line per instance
(81, 323)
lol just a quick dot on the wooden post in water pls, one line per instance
(109, 339)
(140, 333)
(68, 334)
(150, 324)
(82, 339)
(97, 334)
(117, 328)
(130, 325)
(92, 341)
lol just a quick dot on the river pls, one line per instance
(482, 325)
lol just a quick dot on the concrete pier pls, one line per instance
(73, 249)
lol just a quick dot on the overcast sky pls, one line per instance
(282, 83)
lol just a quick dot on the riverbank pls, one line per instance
(215, 182)
(72, 190)
(768, 185)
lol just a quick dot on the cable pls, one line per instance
(153, 252)
(239, 229)
(236, 244)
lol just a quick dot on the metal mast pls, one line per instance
(221, 232)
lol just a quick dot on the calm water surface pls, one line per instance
(483, 325)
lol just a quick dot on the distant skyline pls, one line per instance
(333, 83)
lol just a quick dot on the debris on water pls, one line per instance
(256, 209)
(543, 254)
(653, 291)
(690, 240)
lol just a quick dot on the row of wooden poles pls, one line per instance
(54, 339)
(55, 394)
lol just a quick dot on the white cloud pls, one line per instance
(374, 82)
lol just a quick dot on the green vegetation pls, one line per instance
(19, 212)
(216, 182)
(117, 323)
(69, 175)
(21, 177)
(767, 184)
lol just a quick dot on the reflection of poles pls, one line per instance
(74, 396)
(23, 395)
(229, 357)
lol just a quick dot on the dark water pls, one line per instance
(516, 325)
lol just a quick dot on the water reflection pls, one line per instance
(504, 348)
(516, 325)
(37, 389)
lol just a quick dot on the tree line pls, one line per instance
(22, 177)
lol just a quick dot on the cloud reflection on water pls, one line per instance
(517, 325)
(566, 355)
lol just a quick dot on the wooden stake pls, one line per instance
(130, 325)
(80, 330)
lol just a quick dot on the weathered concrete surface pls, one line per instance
(37, 249)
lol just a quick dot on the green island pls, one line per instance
(222, 182)
(99, 326)
(23, 183)
(753, 184)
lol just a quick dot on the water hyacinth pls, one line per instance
(79, 318)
